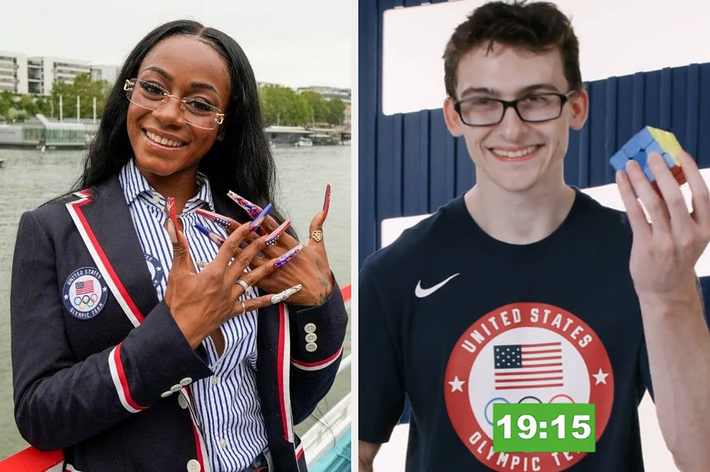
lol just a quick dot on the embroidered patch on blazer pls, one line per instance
(157, 274)
(85, 293)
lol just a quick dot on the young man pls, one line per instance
(522, 265)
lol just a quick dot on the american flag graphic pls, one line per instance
(528, 366)
(84, 287)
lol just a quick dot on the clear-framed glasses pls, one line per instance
(151, 96)
(532, 108)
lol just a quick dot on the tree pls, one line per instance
(7, 101)
(318, 106)
(27, 103)
(282, 106)
(84, 88)
(336, 111)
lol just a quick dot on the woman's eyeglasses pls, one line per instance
(533, 108)
(152, 96)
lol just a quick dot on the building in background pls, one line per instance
(22, 74)
(13, 72)
(107, 73)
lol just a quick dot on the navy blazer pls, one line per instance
(114, 390)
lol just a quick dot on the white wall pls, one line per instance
(617, 37)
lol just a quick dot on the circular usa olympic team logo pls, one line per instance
(525, 353)
(157, 274)
(85, 293)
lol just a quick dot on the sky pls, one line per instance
(291, 42)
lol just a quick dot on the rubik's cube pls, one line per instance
(645, 142)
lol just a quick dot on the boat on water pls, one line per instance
(45, 133)
(304, 142)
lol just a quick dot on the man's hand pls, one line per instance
(665, 251)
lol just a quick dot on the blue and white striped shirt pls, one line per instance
(227, 403)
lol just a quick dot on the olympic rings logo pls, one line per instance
(86, 301)
(529, 397)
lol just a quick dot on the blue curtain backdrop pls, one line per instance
(409, 163)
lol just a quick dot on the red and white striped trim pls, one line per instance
(101, 261)
(317, 365)
(199, 440)
(284, 354)
(120, 381)
(299, 452)
(70, 468)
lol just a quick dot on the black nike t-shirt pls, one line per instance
(444, 307)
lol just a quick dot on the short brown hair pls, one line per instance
(537, 27)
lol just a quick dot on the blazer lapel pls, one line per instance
(104, 222)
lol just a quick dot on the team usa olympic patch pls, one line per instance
(85, 293)
(525, 353)
(157, 274)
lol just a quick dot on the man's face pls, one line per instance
(515, 155)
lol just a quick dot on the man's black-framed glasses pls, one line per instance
(532, 108)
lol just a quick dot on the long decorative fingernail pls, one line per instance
(281, 296)
(172, 233)
(274, 236)
(254, 225)
(249, 207)
(171, 211)
(287, 256)
(223, 221)
(326, 202)
(214, 237)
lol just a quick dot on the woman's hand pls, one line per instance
(201, 303)
(310, 268)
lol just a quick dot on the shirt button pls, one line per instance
(311, 347)
(310, 328)
(186, 381)
(193, 466)
(215, 380)
(182, 402)
(222, 443)
(311, 337)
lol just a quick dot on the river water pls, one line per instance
(29, 178)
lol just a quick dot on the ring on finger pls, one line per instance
(244, 308)
(317, 235)
(247, 289)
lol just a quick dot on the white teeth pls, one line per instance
(164, 141)
(520, 153)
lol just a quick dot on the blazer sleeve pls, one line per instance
(317, 337)
(60, 400)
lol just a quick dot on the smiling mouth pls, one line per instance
(520, 153)
(165, 142)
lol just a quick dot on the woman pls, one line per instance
(128, 369)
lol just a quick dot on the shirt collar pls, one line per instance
(134, 184)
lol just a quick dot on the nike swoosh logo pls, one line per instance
(425, 292)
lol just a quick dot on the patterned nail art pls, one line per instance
(223, 221)
(326, 202)
(248, 206)
(171, 212)
(275, 235)
(284, 258)
(281, 296)
(214, 237)
(172, 233)
(254, 225)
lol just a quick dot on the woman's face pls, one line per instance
(188, 68)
